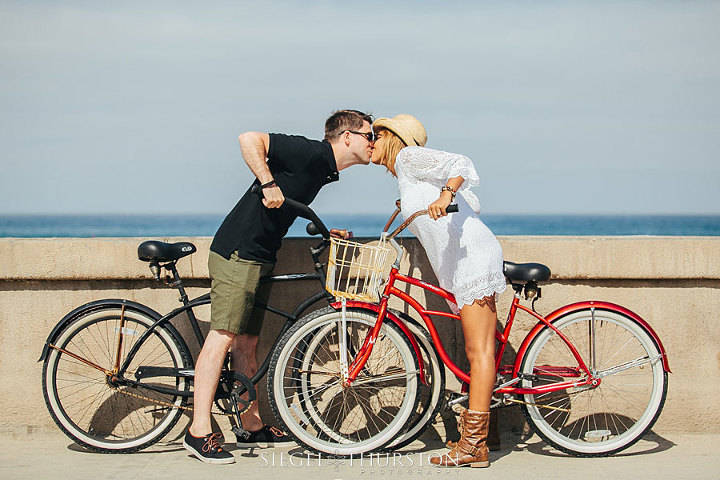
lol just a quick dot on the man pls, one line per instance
(244, 249)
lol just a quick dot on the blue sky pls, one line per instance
(564, 107)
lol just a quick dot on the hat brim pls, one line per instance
(397, 129)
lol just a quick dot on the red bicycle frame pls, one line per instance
(581, 371)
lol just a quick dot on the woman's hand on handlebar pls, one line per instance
(273, 197)
(438, 208)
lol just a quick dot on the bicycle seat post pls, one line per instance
(176, 282)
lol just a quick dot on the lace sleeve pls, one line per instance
(425, 164)
(419, 164)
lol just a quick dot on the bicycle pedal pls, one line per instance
(241, 432)
(452, 399)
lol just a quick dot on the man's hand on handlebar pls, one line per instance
(273, 197)
(301, 210)
(342, 234)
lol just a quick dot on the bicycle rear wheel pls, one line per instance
(97, 411)
(602, 420)
(309, 400)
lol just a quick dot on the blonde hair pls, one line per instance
(392, 144)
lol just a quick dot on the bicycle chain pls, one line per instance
(172, 405)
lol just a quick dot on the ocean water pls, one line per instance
(33, 226)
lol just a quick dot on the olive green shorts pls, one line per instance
(235, 285)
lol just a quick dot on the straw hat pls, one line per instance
(408, 128)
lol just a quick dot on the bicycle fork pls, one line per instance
(342, 341)
(591, 335)
(352, 370)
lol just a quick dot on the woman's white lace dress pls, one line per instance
(464, 253)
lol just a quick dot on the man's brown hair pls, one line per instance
(343, 120)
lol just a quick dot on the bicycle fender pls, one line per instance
(89, 307)
(586, 305)
(393, 318)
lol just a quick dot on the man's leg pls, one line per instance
(207, 374)
(233, 285)
(199, 439)
(244, 360)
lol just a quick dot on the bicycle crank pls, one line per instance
(242, 385)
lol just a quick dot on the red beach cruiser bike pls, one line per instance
(590, 377)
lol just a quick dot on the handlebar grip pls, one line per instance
(301, 209)
(452, 208)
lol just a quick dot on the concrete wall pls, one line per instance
(672, 282)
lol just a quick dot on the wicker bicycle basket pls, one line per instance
(355, 270)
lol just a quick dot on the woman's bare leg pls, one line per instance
(478, 322)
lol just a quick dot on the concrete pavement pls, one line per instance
(47, 455)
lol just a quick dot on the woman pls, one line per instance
(465, 255)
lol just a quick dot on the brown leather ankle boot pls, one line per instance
(493, 439)
(472, 447)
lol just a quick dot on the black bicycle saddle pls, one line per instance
(526, 272)
(157, 251)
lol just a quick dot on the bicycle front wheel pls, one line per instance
(602, 420)
(307, 393)
(87, 397)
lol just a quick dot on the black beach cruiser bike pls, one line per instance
(117, 374)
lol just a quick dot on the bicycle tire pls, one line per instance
(313, 406)
(80, 398)
(614, 415)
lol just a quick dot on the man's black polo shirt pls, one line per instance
(301, 167)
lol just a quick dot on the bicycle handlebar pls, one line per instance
(452, 208)
(302, 210)
(312, 230)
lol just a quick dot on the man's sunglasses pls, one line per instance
(370, 136)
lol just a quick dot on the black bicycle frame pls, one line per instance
(188, 305)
